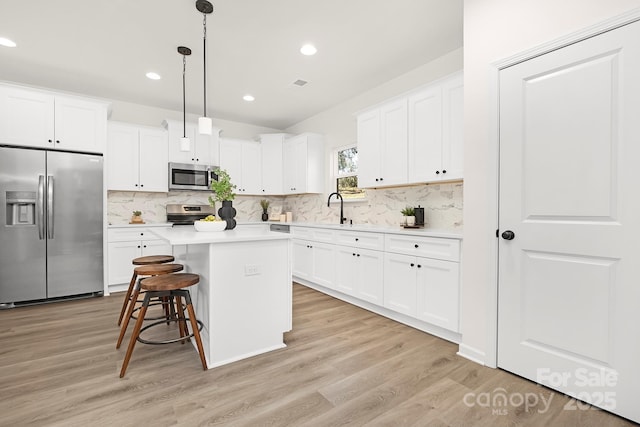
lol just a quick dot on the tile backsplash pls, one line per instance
(442, 206)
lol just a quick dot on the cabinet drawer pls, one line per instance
(428, 247)
(360, 239)
(129, 234)
(311, 233)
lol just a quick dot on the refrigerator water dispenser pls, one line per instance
(21, 207)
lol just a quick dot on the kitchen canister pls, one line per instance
(289, 216)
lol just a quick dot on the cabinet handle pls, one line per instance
(50, 140)
(353, 254)
(437, 172)
(193, 160)
(444, 171)
(358, 255)
(356, 239)
(377, 179)
(144, 246)
(412, 264)
(197, 160)
(142, 234)
(141, 185)
(138, 246)
(57, 141)
(416, 246)
(381, 179)
(419, 266)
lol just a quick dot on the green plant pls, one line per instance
(264, 203)
(137, 213)
(223, 188)
(408, 211)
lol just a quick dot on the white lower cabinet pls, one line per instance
(125, 244)
(314, 261)
(437, 292)
(410, 278)
(359, 273)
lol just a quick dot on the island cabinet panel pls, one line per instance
(438, 292)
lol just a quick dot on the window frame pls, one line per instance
(335, 175)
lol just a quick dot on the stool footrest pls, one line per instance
(171, 341)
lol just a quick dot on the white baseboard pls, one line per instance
(471, 353)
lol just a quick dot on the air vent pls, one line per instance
(300, 82)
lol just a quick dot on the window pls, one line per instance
(346, 173)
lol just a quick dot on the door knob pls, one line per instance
(508, 235)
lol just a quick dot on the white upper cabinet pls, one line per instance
(137, 158)
(382, 145)
(34, 118)
(272, 163)
(413, 139)
(204, 150)
(241, 159)
(303, 158)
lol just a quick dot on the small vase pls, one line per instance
(411, 221)
(227, 212)
(265, 215)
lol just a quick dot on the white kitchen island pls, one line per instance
(244, 295)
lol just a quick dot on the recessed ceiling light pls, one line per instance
(248, 98)
(7, 42)
(153, 76)
(308, 49)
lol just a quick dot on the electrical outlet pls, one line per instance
(251, 270)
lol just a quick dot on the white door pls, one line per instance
(425, 135)
(393, 125)
(569, 280)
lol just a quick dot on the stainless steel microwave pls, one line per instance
(185, 176)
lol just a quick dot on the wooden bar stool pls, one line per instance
(143, 260)
(172, 286)
(146, 270)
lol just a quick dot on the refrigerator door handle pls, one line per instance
(50, 206)
(40, 207)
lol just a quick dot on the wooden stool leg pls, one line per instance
(135, 334)
(196, 333)
(132, 306)
(182, 325)
(127, 297)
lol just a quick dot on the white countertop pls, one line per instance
(187, 235)
(153, 224)
(426, 232)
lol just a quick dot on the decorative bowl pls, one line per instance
(210, 225)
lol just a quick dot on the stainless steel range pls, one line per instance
(187, 214)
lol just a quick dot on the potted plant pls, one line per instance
(264, 203)
(409, 216)
(137, 218)
(223, 192)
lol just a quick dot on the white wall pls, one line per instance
(152, 116)
(494, 30)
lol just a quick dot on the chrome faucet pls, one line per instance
(339, 196)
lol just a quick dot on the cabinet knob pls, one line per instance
(412, 264)
(138, 246)
(57, 141)
(437, 172)
(353, 254)
(197, 160)
(444, 171)
(419, 266)
(141, 185)
(144, 246)
(142, 234)
(136, 185)
(356, 239)
(381, 179)
(416, 246)
(50, 140)
(377, 180)
(358, 255)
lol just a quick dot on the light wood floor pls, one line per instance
(343, 366)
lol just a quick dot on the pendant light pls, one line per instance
(185, 144)
(204, 122)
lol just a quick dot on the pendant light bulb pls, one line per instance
(185, 143)
(205, 125)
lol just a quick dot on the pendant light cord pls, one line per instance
(184, 98)
(204, 42)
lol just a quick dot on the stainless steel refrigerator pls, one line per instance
(50, 225)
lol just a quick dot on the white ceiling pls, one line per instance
(104, 48)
